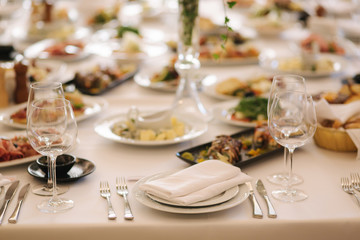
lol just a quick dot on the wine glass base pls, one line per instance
(283, 179)
(50, 206)
(43, 190)
(289, 195)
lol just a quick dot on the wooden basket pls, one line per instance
(334, 139)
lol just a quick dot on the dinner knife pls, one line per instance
(22, 194)
(257, 213)
(8, 196)
(262, 191)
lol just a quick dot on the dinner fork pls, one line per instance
(348, 188)
(105, 193)
(122, 190)
(355, 181)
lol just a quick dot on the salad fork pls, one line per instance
(348, 188)
(122, 190)
(355, 181)
(105, 193)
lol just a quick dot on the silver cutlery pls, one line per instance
(262, 191)
(122, 190)
(105, 193)
(348, 188)
(355, 181)
(8, 196)
(257, 213)
(22, 194)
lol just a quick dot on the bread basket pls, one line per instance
(334, 139)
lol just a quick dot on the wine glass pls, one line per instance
(292, 121)
(39, 90)
(285, 83)
(52, 131)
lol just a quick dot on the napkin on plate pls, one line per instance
(196, 183)
(341, 112)
(5, 180)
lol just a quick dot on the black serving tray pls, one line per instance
(246, 159)
(112, 85)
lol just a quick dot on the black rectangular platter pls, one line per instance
(246, 159)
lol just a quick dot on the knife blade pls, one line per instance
(262, 191)
(8, 196)
(257, 213)
(22, 194)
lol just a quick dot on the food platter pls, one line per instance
(198, 151)
(93, 106)
(195, 128)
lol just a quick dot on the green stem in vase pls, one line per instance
(189, 13)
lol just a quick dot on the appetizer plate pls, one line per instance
(143, 79)
(245, 159)
(142, 197)
(196, 128)
(37, 50)
(222, 113)
(221, 198)
(19, 160)
(81, 168)
(272, 64)
(93, 107)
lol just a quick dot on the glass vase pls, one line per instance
(187, 64)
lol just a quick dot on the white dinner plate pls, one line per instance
(94, 105)
(209, 83)
(196, 127)
(272, 64)
(20, 160)
(36, 50)
(241, 196)
(222, 113)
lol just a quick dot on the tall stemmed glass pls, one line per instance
(52, 130)
(282, 83)
(292, 121)
(39, 90)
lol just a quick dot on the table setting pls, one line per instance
(153, 119)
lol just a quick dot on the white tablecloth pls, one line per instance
(328, 213)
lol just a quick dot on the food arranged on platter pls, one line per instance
(321, 45)
(168, 74)
(128, 129)
(103, 16)
(236, 87)
(250, 109)
(346, 94)
(237, 149)
(102, 77)
(298, 64)
(15, 148)
(63, 49)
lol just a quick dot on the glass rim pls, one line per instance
(42, 85)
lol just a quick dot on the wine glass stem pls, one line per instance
(49, 183)
(53, 176)
(290, 167)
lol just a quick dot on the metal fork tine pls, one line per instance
(122, 190)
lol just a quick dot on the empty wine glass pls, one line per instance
(52, 131)
(292, 121)
(282, 83)
(39, 90)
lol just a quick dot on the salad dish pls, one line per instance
(239, 149)
(247, 112)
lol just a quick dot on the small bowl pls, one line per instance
(63, 163)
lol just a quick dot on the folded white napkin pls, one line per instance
(5, 179)
(196, 183)
(341, 112)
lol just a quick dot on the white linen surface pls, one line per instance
(5, 179)
(342, 112)
(196, 183)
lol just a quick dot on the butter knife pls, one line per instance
(22, 194)
(262, 191)
(8, 196)
(257, 213)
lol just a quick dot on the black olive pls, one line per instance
(249, 94)
(356, 78)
